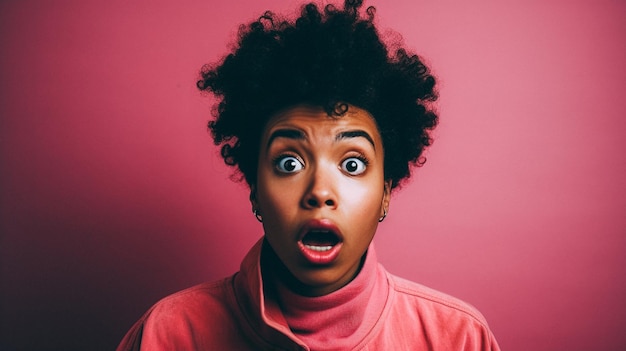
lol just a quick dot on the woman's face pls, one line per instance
(321, 190)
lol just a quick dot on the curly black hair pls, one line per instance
(330, 58)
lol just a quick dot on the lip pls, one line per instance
(320, 257)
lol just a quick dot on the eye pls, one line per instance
(354, 165)
(288, 164)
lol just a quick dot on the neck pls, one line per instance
(343, 316)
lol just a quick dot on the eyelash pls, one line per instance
(362, 158)
(276, 160)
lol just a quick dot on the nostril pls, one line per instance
(312, 202)
(329, 202)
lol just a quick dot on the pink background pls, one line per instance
(112, 195)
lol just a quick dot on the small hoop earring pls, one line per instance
(384, 216)
(257, 215)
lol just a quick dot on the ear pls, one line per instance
(386, 197)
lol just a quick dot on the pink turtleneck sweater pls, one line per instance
(340, 320)
(375, 311)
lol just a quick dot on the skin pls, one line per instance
(311, 167)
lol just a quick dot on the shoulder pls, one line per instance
(447, 322)
(202, 294)
(194, 307)
(180, 318)
(420, 318)
(436, 301)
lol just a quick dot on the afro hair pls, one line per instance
(331, 58)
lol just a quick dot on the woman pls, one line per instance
(323, 123)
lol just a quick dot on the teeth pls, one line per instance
(318, 248)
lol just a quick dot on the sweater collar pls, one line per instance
(339, 320)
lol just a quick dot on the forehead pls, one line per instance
(313, 121)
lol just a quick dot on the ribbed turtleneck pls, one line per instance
(341, 319)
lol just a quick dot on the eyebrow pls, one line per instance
(355, 134)
(299, 135)
(285, 133)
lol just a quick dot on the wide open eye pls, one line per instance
(354, 165)
(289, 164)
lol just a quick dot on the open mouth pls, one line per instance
(320, 240)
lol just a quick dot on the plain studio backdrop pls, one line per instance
(113, 196)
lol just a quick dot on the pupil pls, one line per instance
(351, 166)
(290, 165)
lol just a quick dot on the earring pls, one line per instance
(257, 215)
(384, 215)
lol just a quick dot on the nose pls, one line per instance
(320, 191)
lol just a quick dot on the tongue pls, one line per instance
(320, 239)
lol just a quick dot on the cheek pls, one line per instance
(367, 197)
(276, 199)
